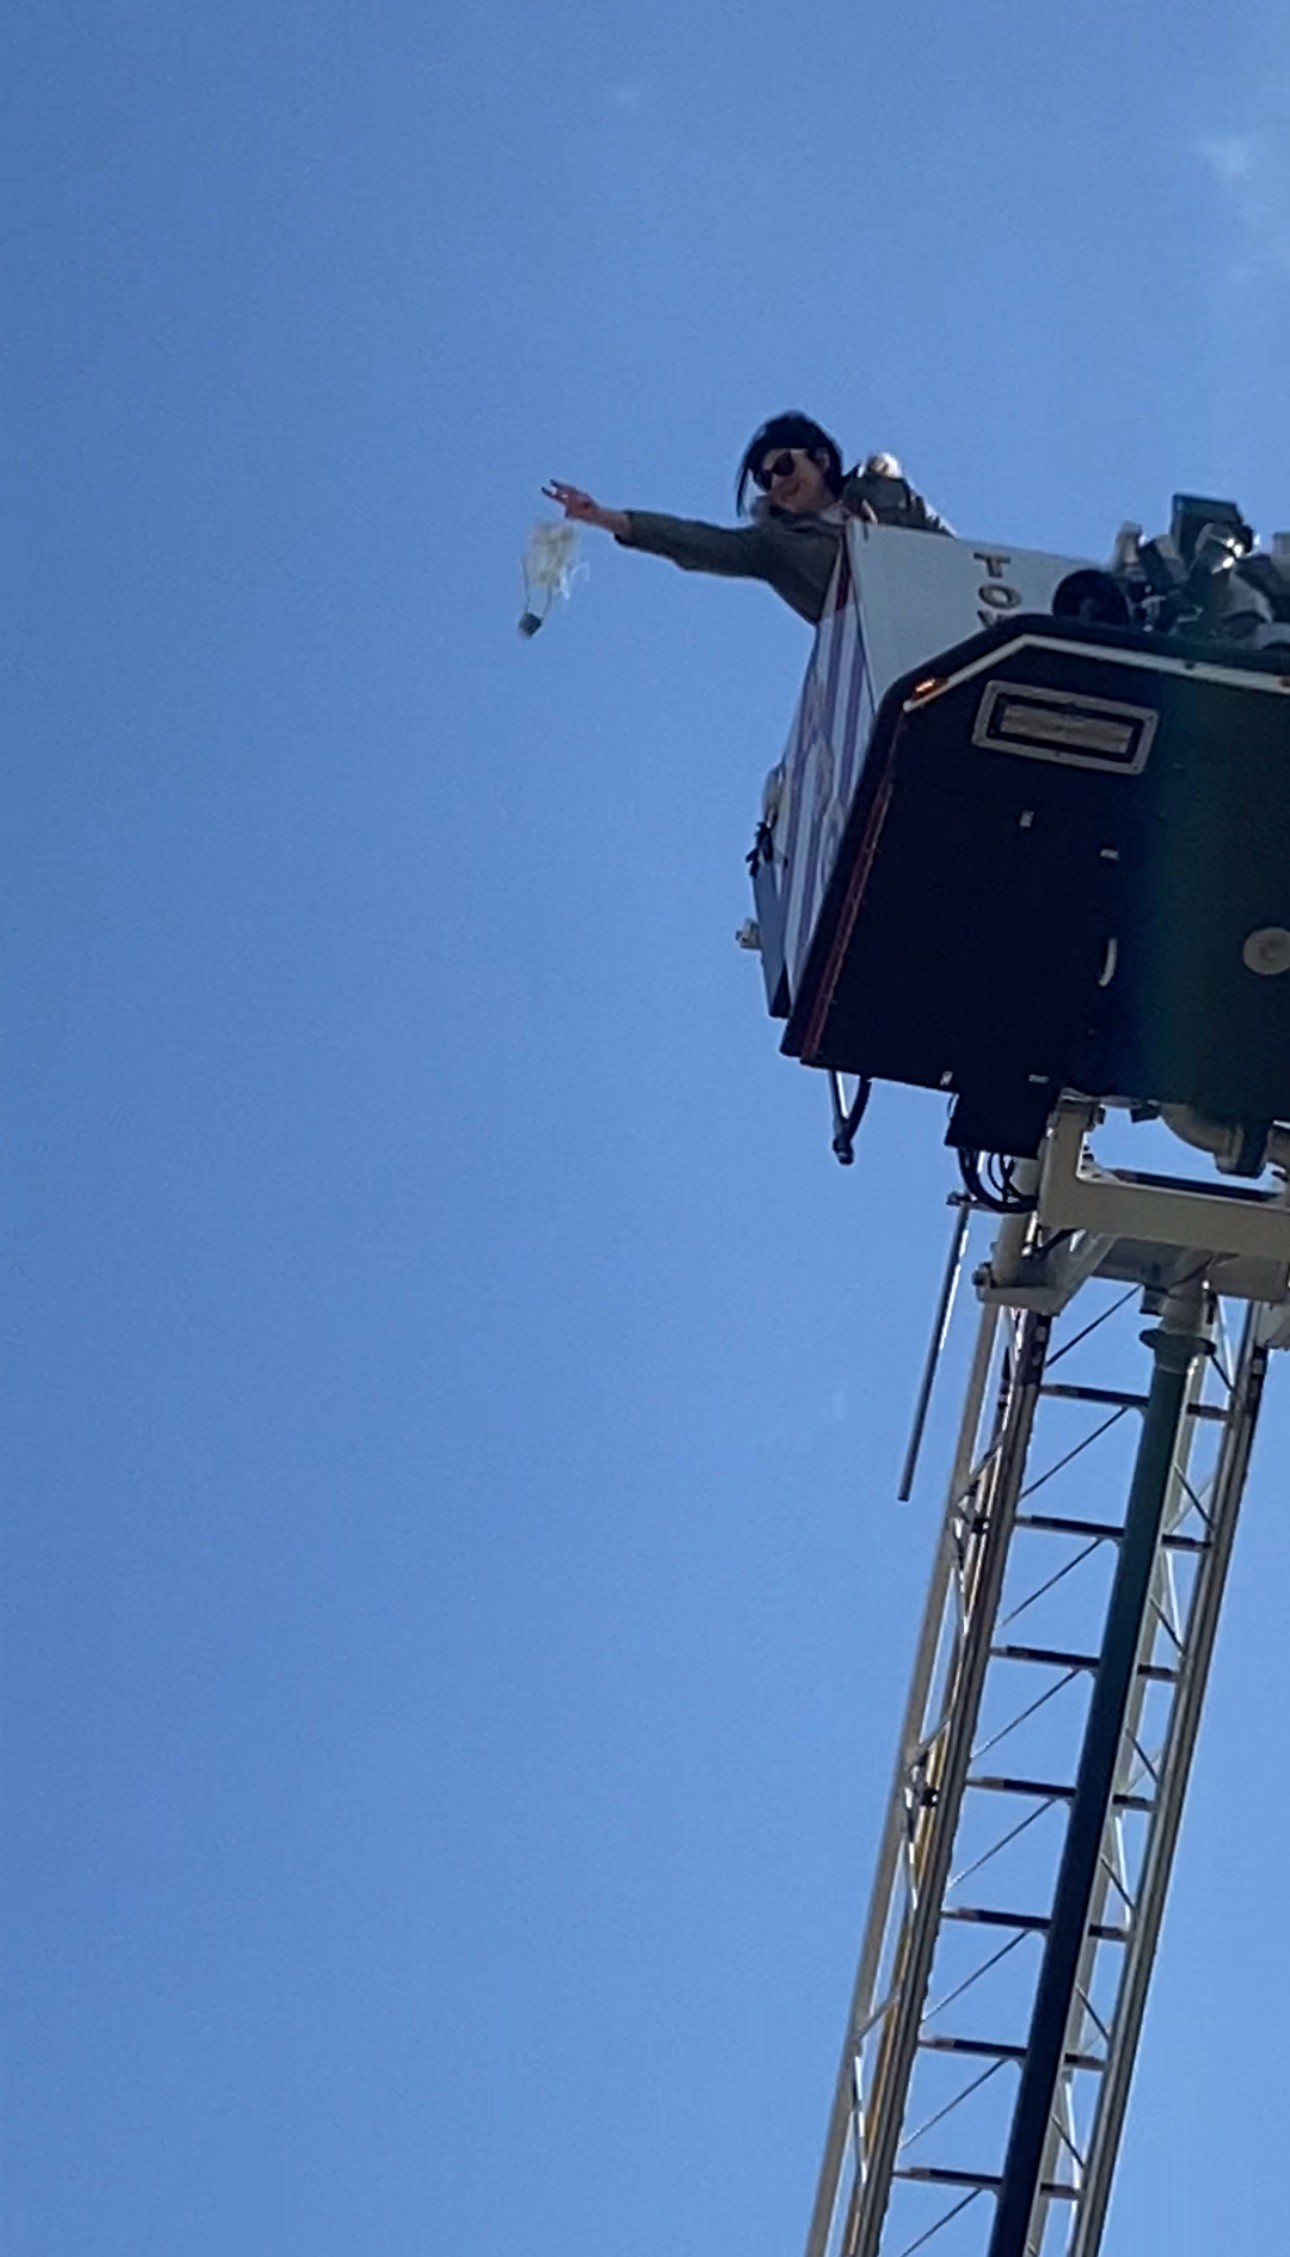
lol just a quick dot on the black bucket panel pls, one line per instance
(1068, 869)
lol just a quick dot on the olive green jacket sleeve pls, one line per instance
(796, 557)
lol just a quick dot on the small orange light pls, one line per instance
(929, 683)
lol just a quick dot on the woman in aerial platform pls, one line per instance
(795, 526)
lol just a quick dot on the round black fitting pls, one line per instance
(1093, 598)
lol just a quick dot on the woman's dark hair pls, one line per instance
(790, 430)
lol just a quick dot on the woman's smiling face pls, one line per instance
(792, 479)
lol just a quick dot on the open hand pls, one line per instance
(580, 506)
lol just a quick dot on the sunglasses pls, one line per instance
(779, 466)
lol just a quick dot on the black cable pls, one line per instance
(1001, 1197)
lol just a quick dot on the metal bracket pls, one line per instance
(1077, 1193)
(1145, 1229)
(1047, 1277)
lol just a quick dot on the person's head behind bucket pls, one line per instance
(794, 464)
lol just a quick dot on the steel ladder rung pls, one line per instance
(1047, 1790)
(1059, 1524)
(992, 2049)
(1031, 1923)
(1126, 1399)
(985, 2182)
(1052, 1657)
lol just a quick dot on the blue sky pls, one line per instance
(455, 1618)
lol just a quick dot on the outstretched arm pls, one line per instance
(737, 550)
(740, 551)
(797, 561)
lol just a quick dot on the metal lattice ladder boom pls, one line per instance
(1039, 1785)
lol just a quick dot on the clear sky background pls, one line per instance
(455, 1615)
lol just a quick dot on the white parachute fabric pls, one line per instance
(550, 566)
